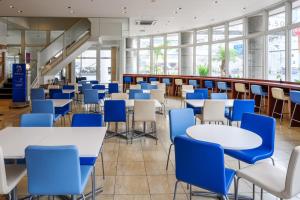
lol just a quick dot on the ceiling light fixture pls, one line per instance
(215, 1)
(195, 17)
(124, 7)
(20, 11)
(11, 6)
(244, 8)
(179, 8)
(68, 7)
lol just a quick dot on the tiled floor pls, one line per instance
(137, 171)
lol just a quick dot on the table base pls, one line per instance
(214, 195)
(137, 134)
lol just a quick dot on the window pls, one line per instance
(55, 34)
(236, 29)
(173, 39)
(13, 37)
(172, 61)
(276, 56)
(255, 57)
(219, 33)
(202, 36)
(89, 54)
(131, 62)
(296, 12)
(144, 62)
(202, 60)
(158, 60)
(277, 18)
(36, 37)
(144, 42)
(86, 66)
(218, 59)
(105, 64)
(295, 55)
(236, 59)
(158, 41)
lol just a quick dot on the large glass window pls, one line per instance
(202, 60)
(158, 60)
(276, 56)
(218, 59)
(296, 12)
(255, 57)
(219, 33)
(202, 36)
(236, 29)
(144, 42)
(144, 62)
(158, 41)
(236, 59)
(277, 18)
(105, 64)
(13, 37)
(295, 55)
(86, 66)
(173, 39)
(172, 61)
(131, 62)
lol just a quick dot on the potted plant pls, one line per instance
(202, 70)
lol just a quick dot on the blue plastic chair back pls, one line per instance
(295, 96)
(94, 82)
(53, 170)
(42, 106)
(87, 120)
(90, 96)
(132, 92)
(200, 164)
(113, 88)
(145, 86)
(114, 111)
(218, 96)
(263, 126)
(54, 91)
(209, 84)
(142, 96)
(98, 87)
(61, 96)
(256, 89)
(127, 79)
(194, 95)
(68, 87)
(86, 87)
(240, 107)
(166, 81)
(36, 120)
(152, 79)
(37, 93)
(152, 87)
(203, 91)
(222, 86)
(193, 83)
(179, 121)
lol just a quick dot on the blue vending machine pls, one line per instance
(19, 83)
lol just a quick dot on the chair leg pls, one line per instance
(175, 189)
(261, 194)
(102, 165)
(190, 192)
(253, 191)
(239, 162)
(169, 156)
(282, 109)
(292, 117)
(273, 161)
(274, 107)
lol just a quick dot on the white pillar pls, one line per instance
(98, 69)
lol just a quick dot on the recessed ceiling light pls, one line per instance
(20, 11)
(179, 8)
(195, 17)
(215, 1)
(176, 12)
(11, 6)
(124, 7)
(244, 8)
(153, 1)
(68, 7)
(124, 12)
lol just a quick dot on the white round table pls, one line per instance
(229, 137)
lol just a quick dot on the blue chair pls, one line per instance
(44, 106)
(193, 83)
(295, 98)
(222, 86)
(132, 92)
(152, 87)
(86, 86)
(53, 91)
(218, 96)
(258, 91)
(209, 85)
(142, 96)
(101, 95)
(68, 87)
(90, 97)
(36, 120)
(203, 91)
(94, 82)
(113, 88)
(152, 79)
(179, 121)
(115, 111)
(145, 86)
(202, 164)
(89, 120)
(37, 93)
(239, 108)
(263, 126)
(55, 171)
(65, 110)
(127, 80)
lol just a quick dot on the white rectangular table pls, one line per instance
(199, 103)
(66, 91)
(130, 103)
(61, 102)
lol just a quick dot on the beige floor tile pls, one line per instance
(155, 156)
(131, 185)
(132, 197)
(168, 197)
(131, 168)
(110, 156)
(163, 184)
(158, 168)
(110, 168)
(130, 156)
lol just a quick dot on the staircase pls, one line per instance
(6, 90)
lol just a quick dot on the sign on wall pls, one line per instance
(19, 82)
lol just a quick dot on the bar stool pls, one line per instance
(295, 98)
(241, 88)
(258, 91)
(209, 85)
(139, 79)
(278, 95)
(127, 81)
(222, 86)
(194, 83)
(178, 85)
(168, 83)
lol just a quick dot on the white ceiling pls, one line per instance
(206, 11)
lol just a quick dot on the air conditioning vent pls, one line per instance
(145, 22)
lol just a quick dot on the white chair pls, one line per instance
(119, 96)
(159, 95)
(144, 111)
(186, 89)
(10, 176)
(154, 82)
(135, 87)
(139, 79)
(241, 88)
(162, 86)
(279, 182)
(178, 85)
(278, 95)
(213, 111)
